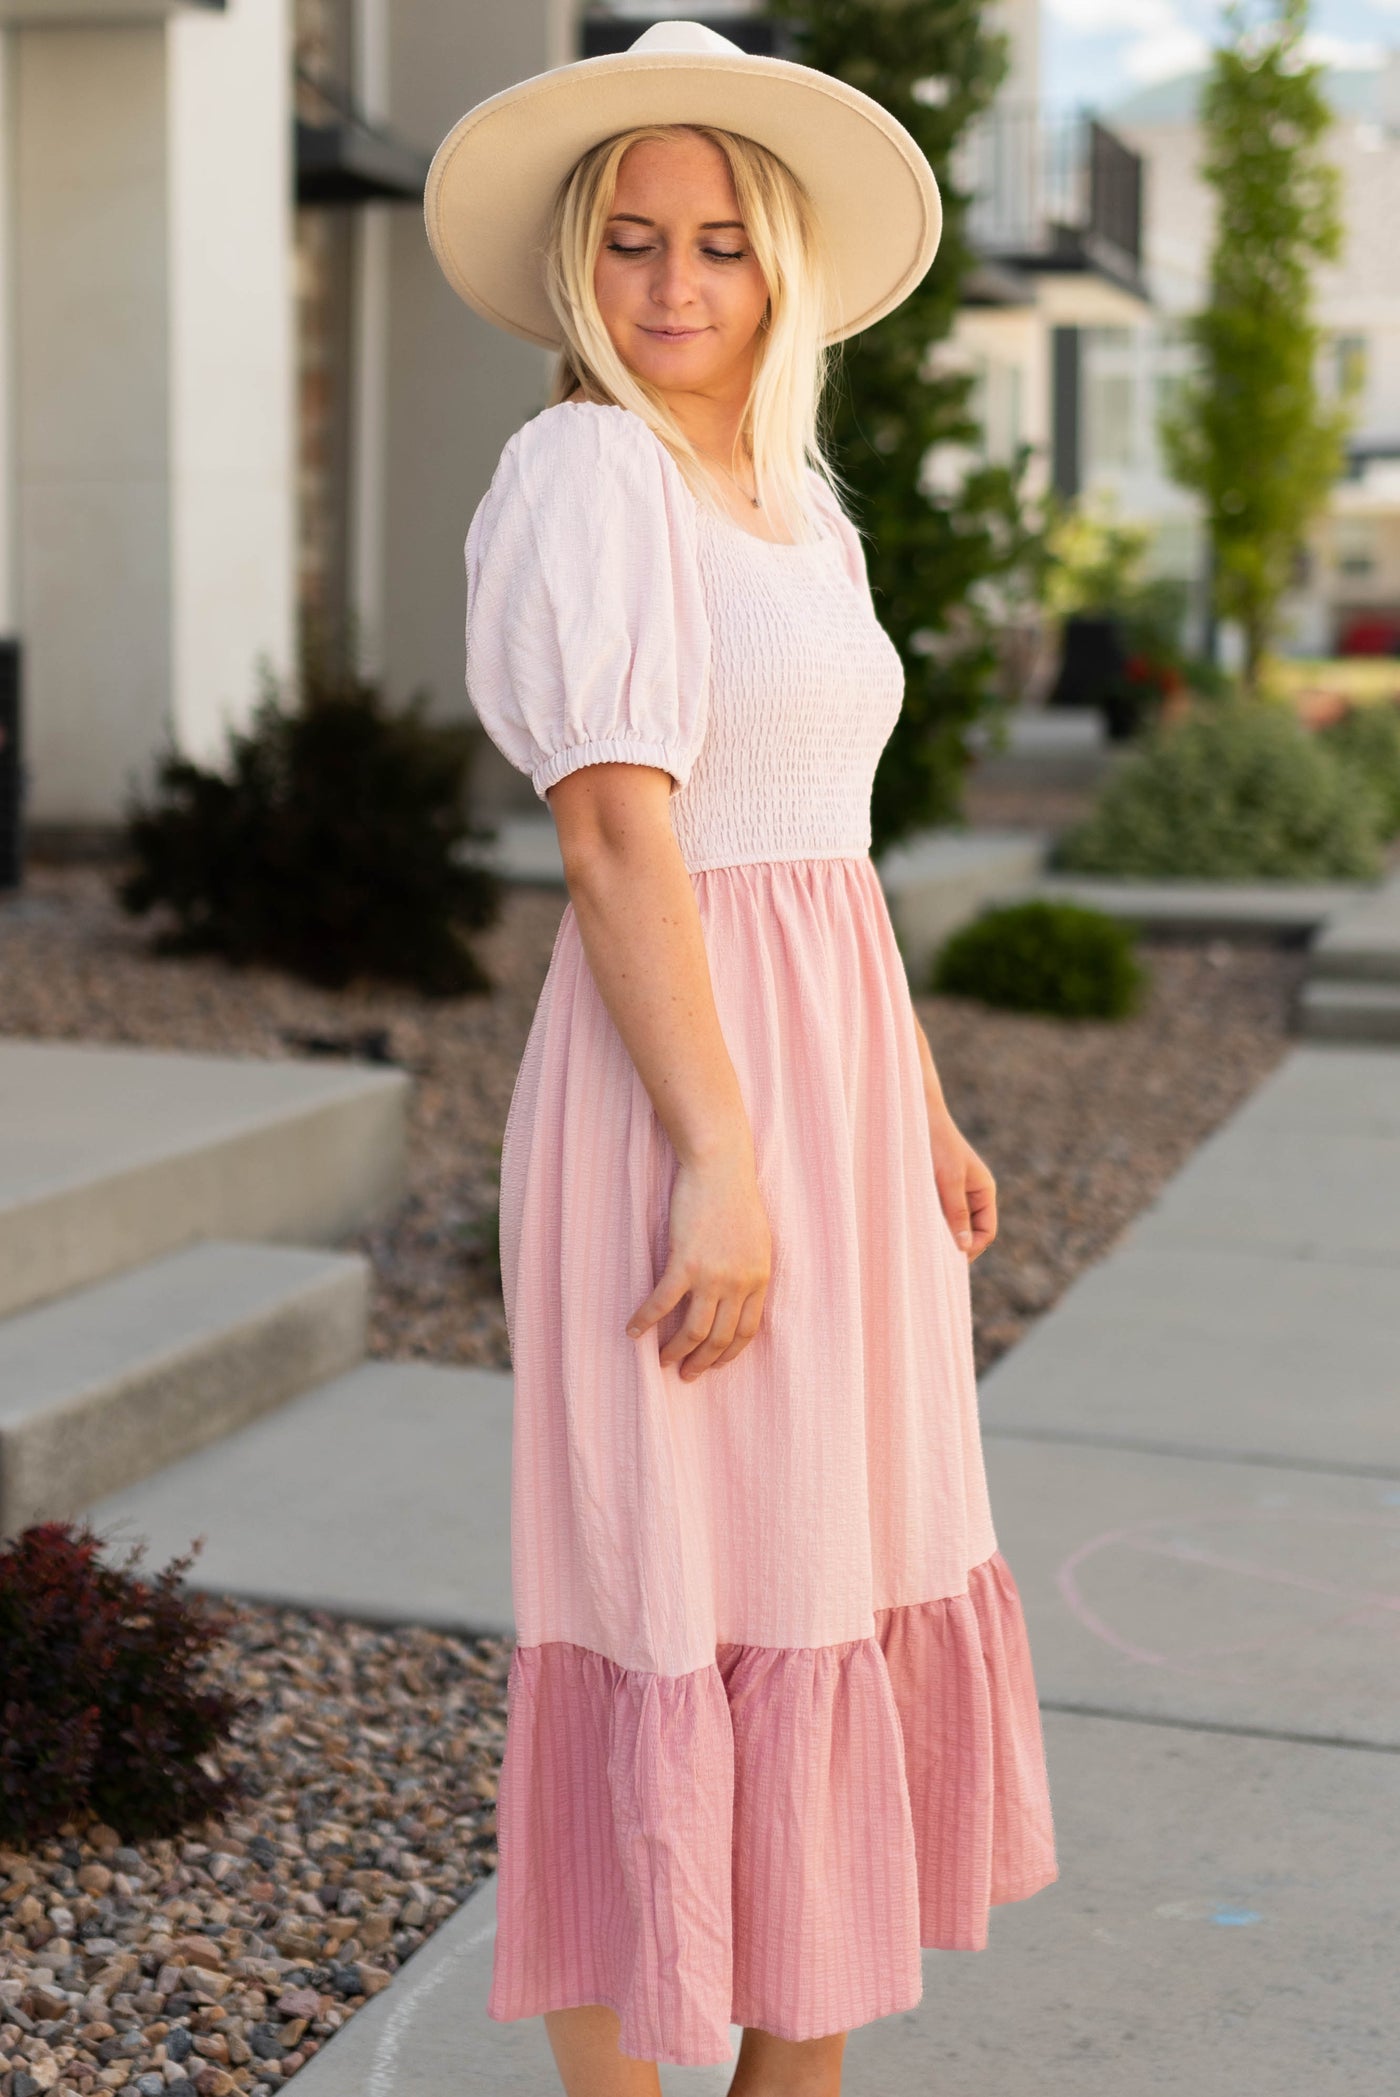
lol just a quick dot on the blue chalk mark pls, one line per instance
(1391, 1497)
(1235, 1918)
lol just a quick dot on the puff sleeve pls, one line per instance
(587, 636)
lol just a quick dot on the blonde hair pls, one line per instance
(781, 424)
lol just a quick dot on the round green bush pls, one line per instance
(1367, 738)
(1240, 792)
(1044, 956)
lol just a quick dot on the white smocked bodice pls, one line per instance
(612, 616)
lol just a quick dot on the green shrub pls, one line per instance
(102, 1711)
(329, 846)
(1238, 791)
(1043, 956)
(1367, 739)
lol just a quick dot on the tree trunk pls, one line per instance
(1256, 635)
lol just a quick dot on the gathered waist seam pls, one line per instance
(719, 866)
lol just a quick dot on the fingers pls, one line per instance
(750, 1318)
(716, 1328)
(982, 1203)
(736, 1320)
(970, 1206)
(694, 1329)
(663, 1298)
(953, 1195)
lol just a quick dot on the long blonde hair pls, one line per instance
(781, 425)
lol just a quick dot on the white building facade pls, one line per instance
(158, 499)
(146, 501)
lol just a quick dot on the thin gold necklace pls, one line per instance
(756, 499)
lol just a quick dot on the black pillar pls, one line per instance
(11, 770)
(1065, 443)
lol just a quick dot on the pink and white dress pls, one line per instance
(772, 1723)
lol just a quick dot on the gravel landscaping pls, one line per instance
(221, 1960)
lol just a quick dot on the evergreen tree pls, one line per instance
(934, 563)
(1251, 432)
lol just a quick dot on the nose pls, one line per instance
(673, 278)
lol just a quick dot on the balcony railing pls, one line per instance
(1054, 191)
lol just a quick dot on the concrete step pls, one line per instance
(101, 1388)
(1047, 747)
(1362, 944)
(110, 1157)
(525, 849)
(383, 1494)
(1276, 909)
(1330, 1009)
(935, 882)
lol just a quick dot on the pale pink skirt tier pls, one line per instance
(772, 1721)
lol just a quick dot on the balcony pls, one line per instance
(344, 158)
(1054, 192)
(95, 14)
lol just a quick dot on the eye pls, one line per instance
(726, 254)
(622, 247)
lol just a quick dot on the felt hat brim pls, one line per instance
(493, 179)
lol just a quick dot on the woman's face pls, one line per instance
(676, 281)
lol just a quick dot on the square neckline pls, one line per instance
(703, 509)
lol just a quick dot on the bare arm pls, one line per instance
(640, 925)
(933, 1088)
(966, 1187)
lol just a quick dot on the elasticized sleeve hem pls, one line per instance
(613, 750)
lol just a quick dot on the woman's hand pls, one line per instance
(965, 1185)
(720, 1255)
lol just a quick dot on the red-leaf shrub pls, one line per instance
(101, 1709)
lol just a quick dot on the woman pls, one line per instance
(772, 1722)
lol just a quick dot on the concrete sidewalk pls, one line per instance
(1194, 1462)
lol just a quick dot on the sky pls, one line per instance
(1098, 51)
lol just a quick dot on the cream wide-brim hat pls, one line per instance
(493, 180)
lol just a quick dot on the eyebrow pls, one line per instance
(710, 225)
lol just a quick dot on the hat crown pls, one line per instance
(687, 39)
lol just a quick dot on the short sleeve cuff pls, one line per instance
(615, 750)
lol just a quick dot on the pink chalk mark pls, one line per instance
(1138, 1537)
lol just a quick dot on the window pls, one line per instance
(996, 404)
(1111, 397)
(1350, 367)
(1354, 547)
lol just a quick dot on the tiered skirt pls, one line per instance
(772, 1721)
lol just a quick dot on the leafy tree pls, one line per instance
(1251, 432)
(937, 564)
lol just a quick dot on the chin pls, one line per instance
(673, 371)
